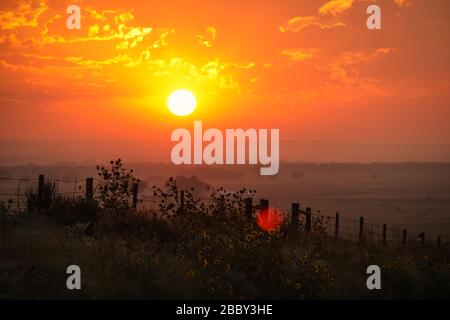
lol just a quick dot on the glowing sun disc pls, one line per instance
(181, 103)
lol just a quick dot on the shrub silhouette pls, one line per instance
(34, 203)
(64, 209)
(69, 210)
(116, 186)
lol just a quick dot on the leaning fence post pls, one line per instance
(384, 233)
(361, 229)
(308, 220)
(404, 236)
(135, 194)
(41, 188)
(295, 214)
(248, 207)
(336, 226)
(89, 188)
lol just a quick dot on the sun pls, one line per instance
(181, 103)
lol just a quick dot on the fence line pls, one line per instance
(335, 226)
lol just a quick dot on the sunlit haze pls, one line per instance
(337, 91)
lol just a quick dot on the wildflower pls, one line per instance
(248, 238)
(210, 279)
(200, 255)
(205, 262)
(212, 290)
(280, 234)
(190, 273)
(298, 286)
(227, 268)
(217, 261)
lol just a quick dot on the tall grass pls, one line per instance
(202, 249)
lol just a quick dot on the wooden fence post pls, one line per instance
(405, 232)
(264, 204)
(295, 214)
(182, 201)
(41, 188)
(361, 229)
(336, 226)
(89, 188)
(248, 207)
(18, 195)
(135, 194)
(384, 233)
(308, 220)
(439, 242)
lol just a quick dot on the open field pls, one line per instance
(207, 245)
(414, 196)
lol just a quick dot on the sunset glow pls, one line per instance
(310, 68)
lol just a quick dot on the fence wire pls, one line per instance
(13, 196)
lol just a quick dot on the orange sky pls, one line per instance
(336, 90)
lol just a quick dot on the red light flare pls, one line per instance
(270, 218)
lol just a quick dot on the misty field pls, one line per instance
(413, 196)
(205, 247)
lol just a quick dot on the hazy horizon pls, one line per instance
(412, 195)
(50, 152)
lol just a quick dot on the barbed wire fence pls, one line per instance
(13, 196)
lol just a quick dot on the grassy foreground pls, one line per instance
(202, 250)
